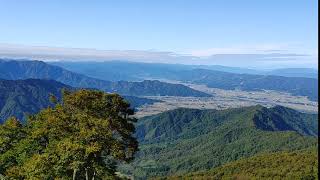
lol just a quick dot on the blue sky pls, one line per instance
(190, 27)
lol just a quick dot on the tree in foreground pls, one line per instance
(83, 137)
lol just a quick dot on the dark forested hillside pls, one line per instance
(187, 140)
(281, 165)
(18, 97)
(21, 97)
(13, 70)
(280, 118)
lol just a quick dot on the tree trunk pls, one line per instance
(94, 175)
(87, 176)
(74, 174)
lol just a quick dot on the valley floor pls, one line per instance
(223, 99)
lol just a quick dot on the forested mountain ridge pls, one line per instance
(18, 97)
(280, 118)
(13, 70)
(173, 123)
(189, 140)
(21, 97)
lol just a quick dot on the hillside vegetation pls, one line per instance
(281, 165)
(188, 140)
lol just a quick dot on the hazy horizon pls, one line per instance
(262, 60)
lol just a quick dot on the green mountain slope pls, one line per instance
(281, 165)
(188, 140)
(280, 118)
(21, 97)
(13, 70)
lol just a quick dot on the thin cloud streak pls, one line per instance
(244, 59)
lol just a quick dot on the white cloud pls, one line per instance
(255, 49)
(262, 56)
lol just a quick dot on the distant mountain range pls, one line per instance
(13, 70)
(122, 71)
(189, 140)
(212, 76)
(218, 79)
(295, 72)
(139, 71)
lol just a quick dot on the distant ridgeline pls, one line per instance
(22, 97)
(13, 70)
(137, 71)
(298, 86)
(297, 81)
(189, 140)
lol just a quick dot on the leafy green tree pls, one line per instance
(11, 132)
(82, 137)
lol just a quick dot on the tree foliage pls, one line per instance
(82, 137)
